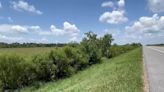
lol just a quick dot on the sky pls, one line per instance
(62, 21)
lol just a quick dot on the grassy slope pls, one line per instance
(120, 74)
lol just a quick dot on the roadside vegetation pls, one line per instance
(118, 74)
(17, 72)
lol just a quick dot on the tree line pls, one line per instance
(26, 45)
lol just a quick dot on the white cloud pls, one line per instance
(148, 24)
(116, 16)
(147, 27)
(35, 28)
(24, 6)
(0, 5)
(68, 29)
(156, 5)
(4, 38)
(121, 3)
(56, 31)
(9, 28)
(107, 4)
(13, 33)
(19, 28)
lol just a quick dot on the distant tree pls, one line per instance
(105, 43)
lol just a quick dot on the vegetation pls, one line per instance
(119, 74)
(17, 72)
(161, 44)
(27, 45)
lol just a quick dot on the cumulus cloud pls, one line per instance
(68, 29)
(147, 26)
(36, 33)
(116, 16)
(24, 6)
(107, 4)
(56, 31)
(35, 28)
(8, 28)
(156, 5)
(19, 28)
(4, 38)
(121, 3)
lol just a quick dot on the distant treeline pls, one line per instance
(24, 45)
(162, 44)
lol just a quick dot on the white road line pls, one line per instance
(156, 50)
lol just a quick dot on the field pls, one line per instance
(26, 52)
(119, 74)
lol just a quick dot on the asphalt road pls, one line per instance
(154, 66)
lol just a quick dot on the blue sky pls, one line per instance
(54, 21)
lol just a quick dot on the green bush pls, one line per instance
(44, 68)
(116, 50)
(63, 64)
(15, 72)
(77, 58)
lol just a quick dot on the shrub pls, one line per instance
(116, 50)
(44, 68)
(63, 65)
(15, 72)
(77, 58)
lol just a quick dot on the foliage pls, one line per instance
(120, 74)
(14, 72)
(25, 45)
(116, 50)
(17, 72)
(90, 46)
(44, 67)
(62, 63)
(78, 59)
(105, 43)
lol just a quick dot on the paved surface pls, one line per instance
(154, 65)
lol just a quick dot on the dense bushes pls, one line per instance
(116, 50)
(16, 72)
(44, 68)
(62, 63)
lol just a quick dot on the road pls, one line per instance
(154, 66)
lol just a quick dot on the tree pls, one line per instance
(90, 46)
(105, 43)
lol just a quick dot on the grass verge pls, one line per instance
(119, 74)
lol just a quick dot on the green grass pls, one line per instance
(119, 74)
(26, 52)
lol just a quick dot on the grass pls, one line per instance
(119, 74)
(26, 52)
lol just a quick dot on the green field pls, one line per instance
(26, 52)
(119, 74)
